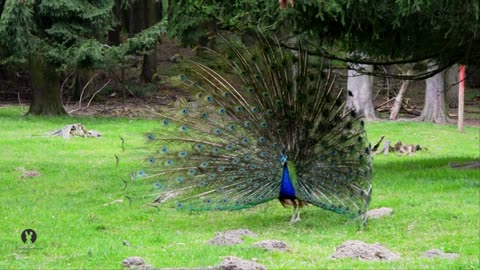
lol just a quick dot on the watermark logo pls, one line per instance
(29, 236)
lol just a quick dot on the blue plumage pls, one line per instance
(287, 191)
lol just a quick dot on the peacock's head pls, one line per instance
(284, 160)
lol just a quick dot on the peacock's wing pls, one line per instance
(326, 141)
(216, 152)
(223, 151)
(324, 138)
(316, 130)
(338, 175)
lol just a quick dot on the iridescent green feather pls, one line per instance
(222, 149)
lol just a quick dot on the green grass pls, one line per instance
(434, 206)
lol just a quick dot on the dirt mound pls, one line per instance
(28, 173)
(270, 245)
(359, 250)
(379, 212)
(136, 263)
(436, 253)
(235, 263)
(231, 237)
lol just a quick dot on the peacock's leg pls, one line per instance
(295, 207)
(299, 208)
(297, 215)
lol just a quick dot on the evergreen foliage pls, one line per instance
(407, 31)
(192, 19)
(54, 29)
(54, 36)
(67, 33)
(387, 31)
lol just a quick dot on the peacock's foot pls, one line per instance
(294, 220)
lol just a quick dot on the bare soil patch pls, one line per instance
(379, 212)
(436, 253)
(28, 173)
(235, 263)
(232, 237)
(135, 263)
(271, 245)
(359, 250)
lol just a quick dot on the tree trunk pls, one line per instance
(151, 16)
(435, 109)
(131, 20)
(114, 34)
(473, 76)
(397, 105)
(136, 21)
(149, 67)
(46, 94)
(361, 86)
(451, 86)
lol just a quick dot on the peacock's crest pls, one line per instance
(271, 121)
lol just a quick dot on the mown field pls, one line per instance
(74, 204)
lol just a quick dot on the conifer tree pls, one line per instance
(51, 36)
(387, 32)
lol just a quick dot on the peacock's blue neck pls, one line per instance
(287, 191)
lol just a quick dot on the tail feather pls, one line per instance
(223, 149)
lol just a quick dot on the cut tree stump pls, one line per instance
(72, 130)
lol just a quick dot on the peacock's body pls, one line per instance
(273, 127)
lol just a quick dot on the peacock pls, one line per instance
(271, 125)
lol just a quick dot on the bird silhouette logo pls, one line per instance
(29, 236)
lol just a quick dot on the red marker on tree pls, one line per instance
(461, 96)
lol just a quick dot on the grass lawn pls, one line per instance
(68, 205)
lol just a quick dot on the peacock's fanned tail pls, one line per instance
(223, 149)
